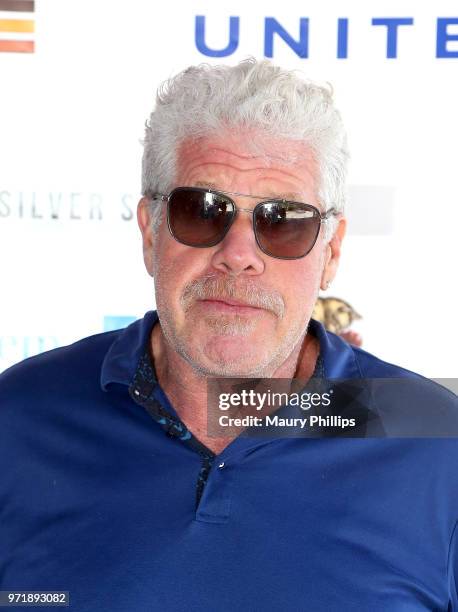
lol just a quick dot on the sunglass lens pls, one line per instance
(199, 218)
(286, 229)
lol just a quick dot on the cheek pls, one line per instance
(166, 256)
(301, 284)
(174, 266)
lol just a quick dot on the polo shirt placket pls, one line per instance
(213, 498)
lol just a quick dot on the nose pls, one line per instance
(238, 253)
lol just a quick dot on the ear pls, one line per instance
(332, 255)
(144, 223)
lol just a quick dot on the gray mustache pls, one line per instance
(217, 287)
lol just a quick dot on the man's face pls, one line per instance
(230, 309)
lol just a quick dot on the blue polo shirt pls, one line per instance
(104, 493)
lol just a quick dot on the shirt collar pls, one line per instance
(124, 354)
(339, 359)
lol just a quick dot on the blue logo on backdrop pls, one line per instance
(16, 348)
(299, 41)
(110, 322)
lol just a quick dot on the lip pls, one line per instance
(229, 306)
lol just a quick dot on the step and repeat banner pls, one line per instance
(77, 81)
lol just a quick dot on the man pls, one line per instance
(113, 488)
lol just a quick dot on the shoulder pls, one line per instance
(45, 398)
(370, 365)
(61, 367)
(388, 384)
(410, 404)
(48, 401)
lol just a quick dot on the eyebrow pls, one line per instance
(294, 197)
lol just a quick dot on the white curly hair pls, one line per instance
(203, 99)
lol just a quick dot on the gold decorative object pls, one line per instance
(335, 314)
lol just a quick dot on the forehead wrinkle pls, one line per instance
(230, 152)
(283, 172)
(215, 166)
(267, 156)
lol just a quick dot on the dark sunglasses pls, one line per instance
(200, 217)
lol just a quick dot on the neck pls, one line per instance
(187, 389)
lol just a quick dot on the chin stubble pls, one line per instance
(230, 287)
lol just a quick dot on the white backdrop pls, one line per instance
(72, 115)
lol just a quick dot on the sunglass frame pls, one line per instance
(236, 209)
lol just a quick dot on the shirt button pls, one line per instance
(221, 465)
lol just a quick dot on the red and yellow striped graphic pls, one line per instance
(22, 26)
